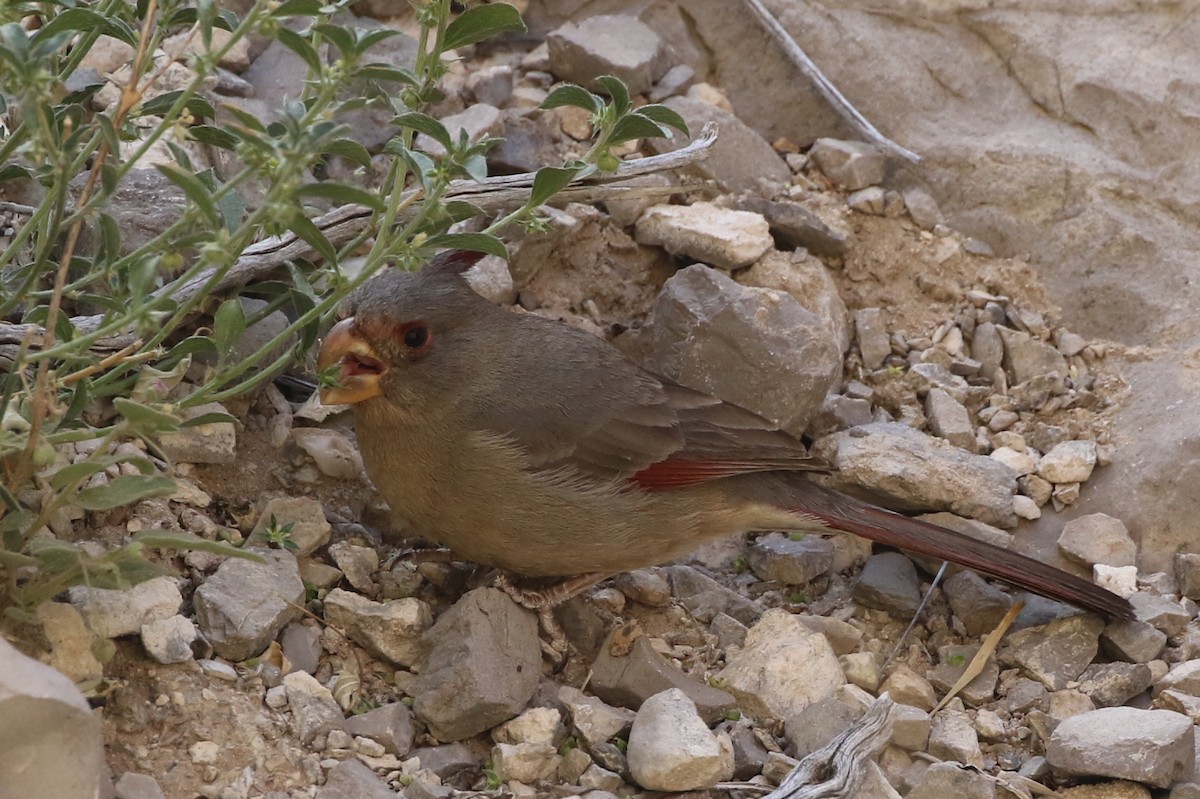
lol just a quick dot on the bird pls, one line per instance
(522, 443)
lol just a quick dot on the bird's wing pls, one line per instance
(608, 417)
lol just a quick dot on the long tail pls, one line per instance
(850, 515)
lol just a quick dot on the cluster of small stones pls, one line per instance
(710, 680)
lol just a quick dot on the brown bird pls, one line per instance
(527, 445)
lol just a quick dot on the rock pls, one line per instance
(525, 762)
(953, 660)
(1026, 358)
(389, 725)
(978, 604)
(1183, 677)
(1055, 653)
(243, 605)
(779, 558)
(478, 121)
(215, 442)
(619, 45)
(756, 348)
(70, 641)
(301, 647)
(919, 472)
(351, 779)
(483, 666)
(720, 237)
(852, 165)
(675, 80)
(1163, 612)
(1151, 746)
(1021, 463)
(169, 640)
(809, 282)
(1098, 538)
(740, 161)
(704, 597)
(492, 85)
(1133, 641)
(923, 208)
(538, 725)
(1069, 462)
(309, 529)
(749, 755)
(817, 724)
(314, 711)
(629, 680)
(949, 419)
(111, 613)
(490, 279)
(927, 376)
(889, 582)
(645, 586)
(391, 630)
(953, 738)
(907, 687)
(447, 760)
(357, 564)
(943, 780)
(910, 728)
(868, 201)
(843, 636)
(794, 226)
(871, 333)
(333, 452)
(988, 348)
(672, 749)
(782, 667)
(137, 786)
(594, 721)
(1111, 684)
(51, 742)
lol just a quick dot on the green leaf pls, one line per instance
(232, 209)
(13, 172)
(77, 472)
(160, 105)
(248, 120)
(303, 227)
(229, 322)
(388, 73)
(664, 116)
(635, 126)
(216, 417)
(298, 8)
(549, 181)
(300, 46)
(125, 490)
(342, 193)
(423, 123)
(177, 539)
(351, 150)
(474, 242)
(570, 94)
(619, 93)
(482, 22)
(211, 134)
(341, 38)
(146, 421)
(84, 19)
(193, 188)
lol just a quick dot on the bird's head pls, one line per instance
(401, 333)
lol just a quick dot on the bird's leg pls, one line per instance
(552, 595)
(543, 601)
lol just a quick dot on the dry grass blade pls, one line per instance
(986, 649)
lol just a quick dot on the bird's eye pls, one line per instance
(416, 337)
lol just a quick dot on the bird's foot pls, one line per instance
(545, 598)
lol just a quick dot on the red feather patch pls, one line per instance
(679, 473)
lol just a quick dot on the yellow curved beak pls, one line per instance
(361, 366)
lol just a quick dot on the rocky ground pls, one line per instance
(994, 337)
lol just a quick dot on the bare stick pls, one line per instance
(837, 769)
(827, 89)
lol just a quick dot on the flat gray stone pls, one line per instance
(483, 666)
(618, 44)
(672, 749)
(1156, 747)
(243, 605)
(111, 613)
(720, 237)
(852, 165)
(1056, 653)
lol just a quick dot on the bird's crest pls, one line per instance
(453, 262)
